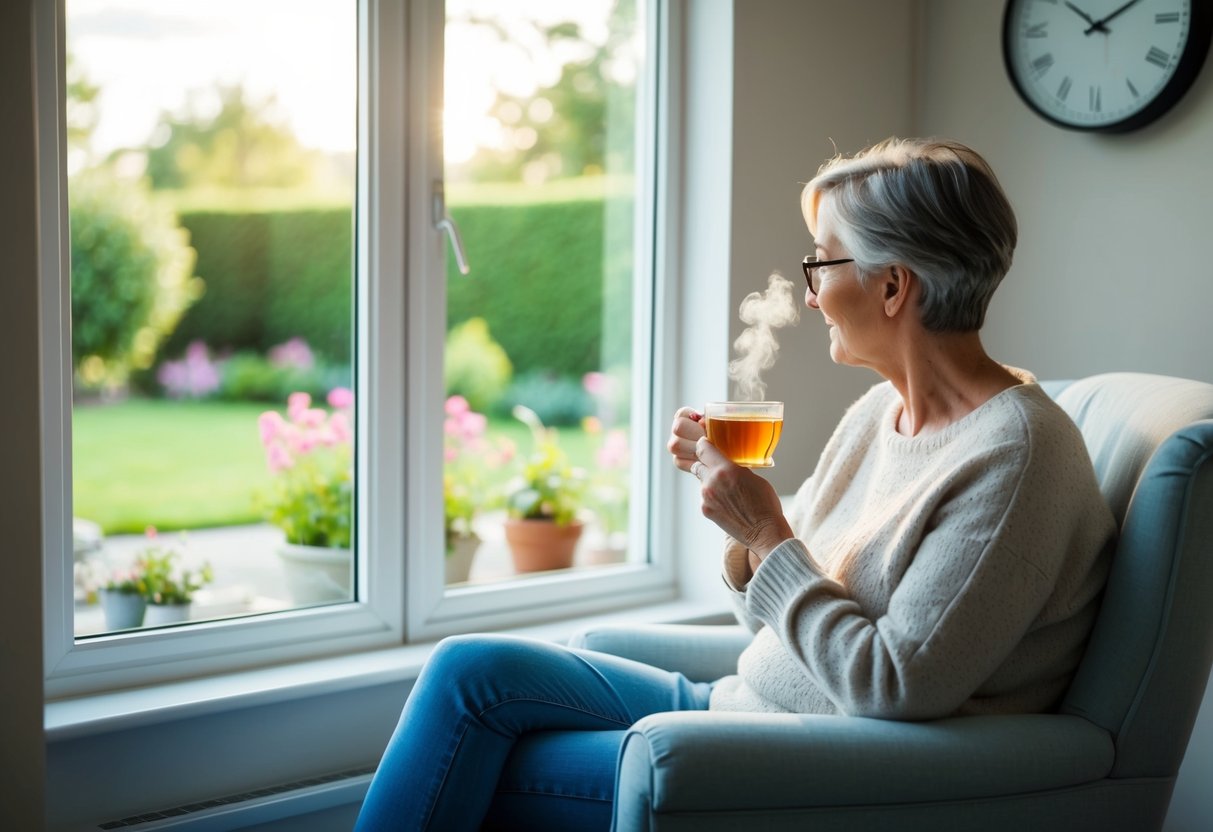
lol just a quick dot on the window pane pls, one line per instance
(542, 118)
(211, 161)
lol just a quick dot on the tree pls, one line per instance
(241, 145)
(562, 129)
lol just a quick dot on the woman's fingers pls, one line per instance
(686, 430)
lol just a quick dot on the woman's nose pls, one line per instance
(810, 299)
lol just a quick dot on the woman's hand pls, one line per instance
(684, 433)
(737, 500)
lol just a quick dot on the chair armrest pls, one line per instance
(701, 652)
(706, 761)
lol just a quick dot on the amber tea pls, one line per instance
(745, 432)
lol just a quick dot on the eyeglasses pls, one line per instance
(814, 279)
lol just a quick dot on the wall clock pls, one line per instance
(1104, 65)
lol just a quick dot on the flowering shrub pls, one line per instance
(467, 454)
(293, 352)
(311, 454)
(608, 488)
(549, 487)
(608, 491)
(195, 376)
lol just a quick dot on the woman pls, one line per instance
(945, 557)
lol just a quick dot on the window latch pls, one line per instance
(443, 222)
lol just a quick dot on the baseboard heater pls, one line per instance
(235, 811)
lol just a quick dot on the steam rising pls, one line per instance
(756, 347)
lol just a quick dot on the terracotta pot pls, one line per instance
(540, 545)
(459, 558)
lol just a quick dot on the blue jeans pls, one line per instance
(506, 732)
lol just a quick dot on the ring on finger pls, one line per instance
(697, 469)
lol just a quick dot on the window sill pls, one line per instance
(118, 710)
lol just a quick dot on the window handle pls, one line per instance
(443, 222)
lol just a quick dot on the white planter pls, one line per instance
(459, 558)
(166, 614)
(316, 574)
(123, 610)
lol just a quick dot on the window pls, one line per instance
(277, 171)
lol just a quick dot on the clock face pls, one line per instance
(1104, 64)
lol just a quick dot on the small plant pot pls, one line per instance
(166, 614)
(541, 545)
(123, 610)
(316, 574)
(459, 558)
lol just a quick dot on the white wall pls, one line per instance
(1113, 267)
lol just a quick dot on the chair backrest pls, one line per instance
(1144, 672)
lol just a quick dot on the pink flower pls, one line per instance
(340, 425)
(450, 454)
(596, 384)
(614, 450)
(278, 458)
(341, 398)
(150, 532)
(292, 353)
(271, 424)
(312, 417)
(456, 406)
(296, 403)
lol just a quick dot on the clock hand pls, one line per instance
(1099, 24)
(1096, 25)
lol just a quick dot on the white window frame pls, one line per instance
(400, 60)
(434, 611)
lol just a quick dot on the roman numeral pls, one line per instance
(1132, 88)
(1042, 64)
(1095, 100)
(1037, 30)
(1063, 89)
(1166, 17)
(1157, 57)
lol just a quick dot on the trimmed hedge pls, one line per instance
(537, 279)
(269, 277)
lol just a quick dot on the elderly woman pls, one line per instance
(945, 557)
(948, 553)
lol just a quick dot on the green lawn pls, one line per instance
(191, 465)
(173, 465)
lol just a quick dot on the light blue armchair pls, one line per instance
(1106, 761)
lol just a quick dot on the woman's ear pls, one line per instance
(897, 283)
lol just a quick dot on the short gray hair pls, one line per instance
(933, 206)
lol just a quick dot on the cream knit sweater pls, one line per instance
(953, 573)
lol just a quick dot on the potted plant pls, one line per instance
(467, 454)
(156, 589)
(169, 586)
(543, 527)
(124, 598)
(310, 453)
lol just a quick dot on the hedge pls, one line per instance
(270, 276)
(537, 279)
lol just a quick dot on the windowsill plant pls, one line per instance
(543, 502)
(310, 453)
(467, 455)
(156, 580)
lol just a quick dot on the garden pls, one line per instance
(183, 437)
(213, 323)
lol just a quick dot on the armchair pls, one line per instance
(1107, 759)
